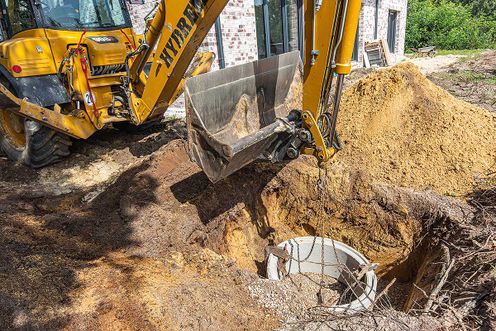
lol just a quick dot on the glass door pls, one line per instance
(391, 37)
(279, 26)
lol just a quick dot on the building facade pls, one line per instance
(382, 19)
(248, 30)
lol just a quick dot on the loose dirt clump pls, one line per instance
(296, 294)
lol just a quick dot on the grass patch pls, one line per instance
(465, 52)
(468, 76)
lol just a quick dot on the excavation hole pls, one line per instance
(390, 226)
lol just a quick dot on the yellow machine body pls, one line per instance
(113, 75)
(40, 51)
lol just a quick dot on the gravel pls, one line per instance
(292, 297)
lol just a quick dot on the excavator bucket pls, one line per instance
(241, 113)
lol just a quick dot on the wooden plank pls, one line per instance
(366, 59)
(387, 55)
(373, 51)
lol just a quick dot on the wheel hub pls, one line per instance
(12, 127)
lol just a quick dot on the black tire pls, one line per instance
(42, 146)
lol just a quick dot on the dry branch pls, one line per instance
(385, 290)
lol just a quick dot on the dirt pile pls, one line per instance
(399, 128)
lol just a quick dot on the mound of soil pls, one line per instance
(401, 129)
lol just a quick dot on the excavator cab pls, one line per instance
(245, 112)
(67, 15)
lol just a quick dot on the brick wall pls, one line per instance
(239, 33)
(401, 7)
(138, 13)
(367, 24)
(238, 30)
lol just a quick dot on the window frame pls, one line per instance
(283, 7)
(355, 55)
(392, 30)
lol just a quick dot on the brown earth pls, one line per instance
(127, 259)
(401, 129)
(149, 243)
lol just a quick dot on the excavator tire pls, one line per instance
(31, 143)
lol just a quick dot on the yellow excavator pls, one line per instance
(71, 67)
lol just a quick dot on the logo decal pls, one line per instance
(191, 13)
(104, 39)
(87, 98)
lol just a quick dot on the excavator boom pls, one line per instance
(176, 31)
(275, 108)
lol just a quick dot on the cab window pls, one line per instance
(84, 14)
(20, 15)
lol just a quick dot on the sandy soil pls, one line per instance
(402, 129)
(130, 234)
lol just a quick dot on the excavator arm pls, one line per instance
(275, 108)
(330, 30)
(171, 40)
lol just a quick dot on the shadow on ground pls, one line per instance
(45, 241)
(244, 187)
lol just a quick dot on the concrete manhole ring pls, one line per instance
(305, 255)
